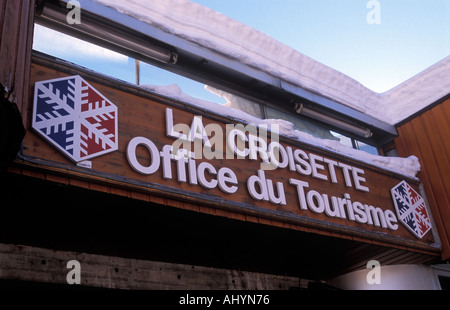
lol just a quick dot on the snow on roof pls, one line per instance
(405, 166)
(215, 31)
(418, 92)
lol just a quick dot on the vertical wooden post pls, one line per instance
(16, 39)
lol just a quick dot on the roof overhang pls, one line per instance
(179, 55)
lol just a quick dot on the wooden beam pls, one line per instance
(27, 263)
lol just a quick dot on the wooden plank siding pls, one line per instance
(426, 136)
(16, 39)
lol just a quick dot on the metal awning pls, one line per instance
(125, 34)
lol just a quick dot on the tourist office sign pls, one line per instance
(143, 142)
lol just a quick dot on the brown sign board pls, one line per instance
(309, 187)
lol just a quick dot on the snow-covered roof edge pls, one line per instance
(222, 34)
(213, 30)
(418, 92)
(219, 33)
(407, 167)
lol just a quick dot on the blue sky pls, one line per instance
(412, 34)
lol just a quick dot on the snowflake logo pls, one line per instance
(75, 118)
(411, 209)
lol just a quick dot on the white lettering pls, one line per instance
(146, 158)
(314, 159)
(224, 176)
(300, 191)
(315, 202)
(187, 169)
(132, 159)
(358, 178)
(343, 208)
(345, 170)
(259, 182)
(170, 132)
(302, 166)
(261, 188)
(196, 300)
(391, 220)
(198, 131)
(257, 145)
(231, 138)
(331, 168)
(201, 175)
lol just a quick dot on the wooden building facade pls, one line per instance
(425, 135)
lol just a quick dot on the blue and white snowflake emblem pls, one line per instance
(75, 118)
(411, 209)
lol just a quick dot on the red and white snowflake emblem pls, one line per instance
(411, 209)
(75, 118)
